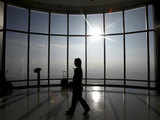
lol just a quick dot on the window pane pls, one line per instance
(95, 62)
(152, 57)
(1, 39)
(151, 16)
(59, 24)
(113, 23)
(77, 24)
(136, 57)
(1, 14)
(17, 18)
(16, 56)
(135, 19)
(95, 24)
(39, 22)
(58, 58)
(114, 58)
(38, 56)
(76, 50)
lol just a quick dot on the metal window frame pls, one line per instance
(28, 48)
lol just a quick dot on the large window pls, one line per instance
(151, 16)
(77, 24)
(17, 18)
(135, 19)
(38, 57)
(1, 38)
(59, 24)
(16, 56)
(95, 24)
(152, 57)
(76, 50)
(113, 23)
(95, 61)
(58, 59)
(110, 45)
(136, 57)
(39, 22)
(114, 58)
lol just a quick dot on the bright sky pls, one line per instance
(135, 43)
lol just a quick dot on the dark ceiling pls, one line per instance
(79, 6)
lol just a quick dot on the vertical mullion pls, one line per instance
(49, 38)
(85, 49)
(4, 40)
(67, 46)
(28, 47)
(148, 46)
(124, 49)
(104, 49)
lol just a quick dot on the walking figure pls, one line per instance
(77, 90)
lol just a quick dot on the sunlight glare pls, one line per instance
(95, 34)
(96, 96)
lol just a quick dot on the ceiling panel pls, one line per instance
(79, 6)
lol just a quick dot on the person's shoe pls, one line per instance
(86, 112)
(69, 112)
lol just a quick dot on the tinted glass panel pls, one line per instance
(59, 24)
(135, 19)
(17, 18)
(76, 50)
(136, 57)
(95, 24)
(1, 14)
(77, 24)
(152, 57)
(58, 58)
(151, 16)
(38, 56)
(1, 38)
(114, 58)
(16, 56)
(95, 62)
(39, 22)
(113, 22)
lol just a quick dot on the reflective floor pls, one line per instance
(106, 104)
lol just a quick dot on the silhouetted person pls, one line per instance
(77, 90)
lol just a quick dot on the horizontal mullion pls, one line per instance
(71, 35)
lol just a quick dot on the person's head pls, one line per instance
(77, 62)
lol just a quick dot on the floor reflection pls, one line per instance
(51, 104)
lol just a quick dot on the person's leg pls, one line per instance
(84, 105)
(73, 104)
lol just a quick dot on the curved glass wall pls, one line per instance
(113, 46)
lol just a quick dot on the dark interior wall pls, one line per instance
(156, 4)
